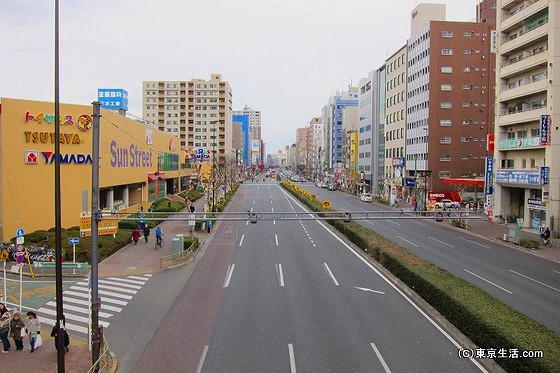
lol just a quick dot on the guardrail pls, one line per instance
(172, 260)
(68, 268)
(107, 362)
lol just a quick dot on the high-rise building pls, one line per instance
(315, 145)
(527, 181)
(365, 131)
(395, 126)
(197, 111)
(450, 92)
(254, 131)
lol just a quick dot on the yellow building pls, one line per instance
(138, 164)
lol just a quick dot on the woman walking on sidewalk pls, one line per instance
(16, 326)
(5, 328)
(146, 231)
(34, 330)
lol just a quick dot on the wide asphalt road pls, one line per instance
(525, 282)
(283, 296)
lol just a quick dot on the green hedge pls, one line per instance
(486, 321)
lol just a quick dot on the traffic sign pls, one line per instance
(20, 232)
(73, 240)
(19, 259)
(4, 255)
(20, 240)
(19, 248)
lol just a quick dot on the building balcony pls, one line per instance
(525, 64)
(540, 32)
(530, 8)
(524, 90)
(521, 116)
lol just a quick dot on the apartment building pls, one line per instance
(395, 126)
(315, 146)
(302, 150)
(365, 128)
(197, 111)
(527, 182)
(450, 97)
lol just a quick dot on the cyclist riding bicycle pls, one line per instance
(159, 234)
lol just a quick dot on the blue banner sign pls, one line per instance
(113, 98)
(545, 129)
(489, 176)
(545, 172)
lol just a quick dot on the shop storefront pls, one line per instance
(138, 164)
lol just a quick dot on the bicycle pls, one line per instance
(545, 241)
(159, 242)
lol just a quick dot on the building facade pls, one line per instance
(315, 146)
(138, 164)
(527, 181)
(395, 126)
(450, 95)
(197, 111)
(365, 131)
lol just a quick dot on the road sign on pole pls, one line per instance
(20, 232)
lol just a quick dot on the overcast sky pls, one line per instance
(282, 57)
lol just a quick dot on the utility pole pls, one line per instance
(57, 200)
(95, 218)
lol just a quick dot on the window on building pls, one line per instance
(445, 158)
(446, 87)
(447, 34)
(445, 140)
(533, 162)
(446, 69)
(446, 105)
(466, 69)
(447, 52)
(444, 174)
(445, 122)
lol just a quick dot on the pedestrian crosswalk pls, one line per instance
(115, 293)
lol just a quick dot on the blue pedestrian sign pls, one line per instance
(20, 232)
(73, 240)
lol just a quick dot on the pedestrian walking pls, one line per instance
(135, 235)
(5, 328)
(159, 234)
(54, 333)
(16, 327)
(146, 231)
(33, 328)
(208, 225)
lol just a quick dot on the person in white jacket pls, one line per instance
(33, 327)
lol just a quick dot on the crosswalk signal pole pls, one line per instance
(95, 218)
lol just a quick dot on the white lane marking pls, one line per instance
(369, 222)
(103, 292)
(366, 289)
(417, 222)
(385, 366)
(228, 275)
(202, 358)
(69, 316)
(394, 222)
(107, 287)
(138, 278)
(532, 279)
(254, 202)
(441, 242)
(329, 272)
(556, 271)
(83, 310)
(476, 243)
(242, 237)
(490, 282)
(122, 285)
(126, 280)
(276, 238)
(272, 208)
(247, 222)
(274, 222)
(270, 201)
(292, 358)
(372, 267)
(69, 326)
(279, 274)
(407, 241)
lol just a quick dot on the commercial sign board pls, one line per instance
(489, 176)
(545, 173)
(113, 98)
(398, 161)
(104, 226)
(518, 177)
(255, 146)
(545, 129)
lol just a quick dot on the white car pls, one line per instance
(447, 203)
(366, 197)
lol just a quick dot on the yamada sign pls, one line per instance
(35, 157)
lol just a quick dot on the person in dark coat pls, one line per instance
(146, 233)
(16, 326)
(54, 333)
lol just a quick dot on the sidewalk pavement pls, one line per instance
(130, 260)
